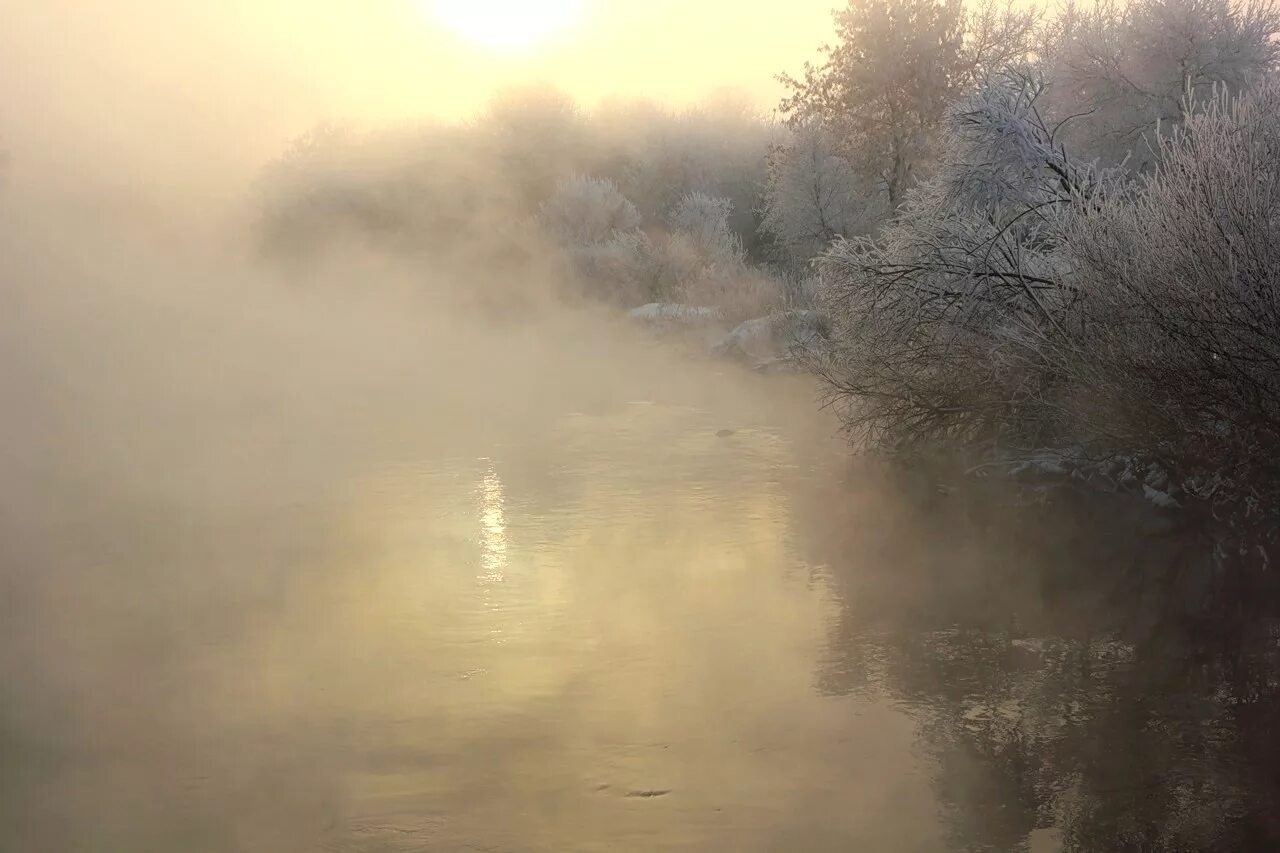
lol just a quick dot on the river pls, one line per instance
(660, 616)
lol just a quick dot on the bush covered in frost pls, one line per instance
(1021, 300)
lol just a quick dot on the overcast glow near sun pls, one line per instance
(506, 24)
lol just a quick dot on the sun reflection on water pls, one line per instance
(493, 527)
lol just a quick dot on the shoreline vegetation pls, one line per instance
(1013, 243)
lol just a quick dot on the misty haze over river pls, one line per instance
(494, 466)
(276, 582)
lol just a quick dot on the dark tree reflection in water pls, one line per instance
(1076, 690)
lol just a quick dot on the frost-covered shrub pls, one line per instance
(627, 268)
(738, 295)
(583, 211)
(1180, 357)
(599, 229)
(1022, 301)
(701, 223)
(704, 262)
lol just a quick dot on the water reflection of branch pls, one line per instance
(1108, 704)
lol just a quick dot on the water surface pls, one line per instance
(615, 627)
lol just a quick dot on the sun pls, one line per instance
(506, 24)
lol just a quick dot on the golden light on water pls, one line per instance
(507, 24)
(493, 527)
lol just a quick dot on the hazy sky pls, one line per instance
(194, 85)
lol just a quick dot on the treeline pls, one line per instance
(1041, 238)
(1081, 275)
(643, 203)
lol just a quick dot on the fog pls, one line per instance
(189, 96)
(398, 467)
(243, 608)
(188, 437)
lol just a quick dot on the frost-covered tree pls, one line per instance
(1021, 300)
(886, 83)
(1120, 69)
(657, 156)
(813, 195)
(939, 322)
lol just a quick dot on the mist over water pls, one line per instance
(293, 562)
(327, 558)
(292, 566)
(373, 548)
